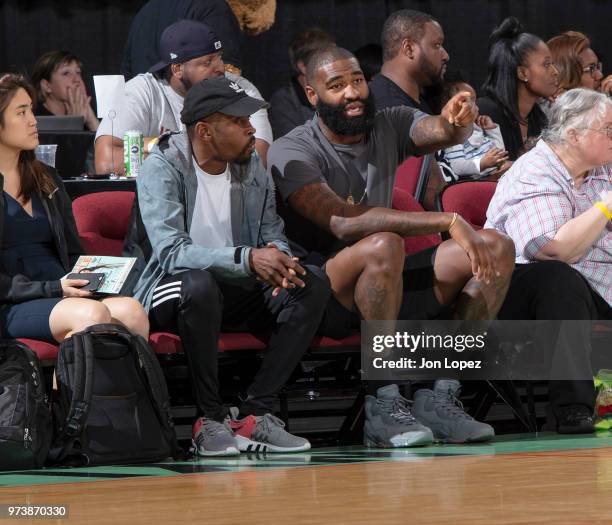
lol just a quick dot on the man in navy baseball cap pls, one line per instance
(189, 53)
(185, 40)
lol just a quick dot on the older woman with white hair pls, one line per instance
(555, 203)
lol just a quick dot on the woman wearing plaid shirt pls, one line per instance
(556, 205)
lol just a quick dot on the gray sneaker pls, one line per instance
(211, 438)
(264, 434)
(389, 423)
(442, 411)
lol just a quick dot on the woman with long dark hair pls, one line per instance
(39, 240)
(520, 73)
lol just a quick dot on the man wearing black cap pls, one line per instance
(190, 52)
(220, 258)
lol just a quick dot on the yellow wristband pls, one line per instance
(452, 223)
(603, 208)
(151, 144)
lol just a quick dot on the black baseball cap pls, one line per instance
(184, 40)
(218, 95)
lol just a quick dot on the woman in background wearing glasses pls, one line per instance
(577, 63)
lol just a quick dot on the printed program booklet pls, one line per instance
(115, 269)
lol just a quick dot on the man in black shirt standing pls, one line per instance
(336, 173)
(414, 59)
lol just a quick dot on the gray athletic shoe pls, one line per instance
(389, 423)
(442, 411)
(264, 434)
(211, 438)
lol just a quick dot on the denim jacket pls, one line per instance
(167, 187)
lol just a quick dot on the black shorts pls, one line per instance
(419, 300)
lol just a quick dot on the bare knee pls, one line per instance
(130, 313)
(384, 252)
(90, 313)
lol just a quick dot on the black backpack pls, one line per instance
(112, 404)
(25, 417)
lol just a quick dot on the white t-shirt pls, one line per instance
(211, 224)
(150, 105)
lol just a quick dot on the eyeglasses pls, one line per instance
(607, 131)
(591, 68)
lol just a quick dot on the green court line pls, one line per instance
(508, 444)
(14, 480)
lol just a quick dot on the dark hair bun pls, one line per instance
(509, 29)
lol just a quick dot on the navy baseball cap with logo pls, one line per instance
(218, 95)
(184, 40)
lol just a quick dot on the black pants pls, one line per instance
(552, 290)
(197, 306)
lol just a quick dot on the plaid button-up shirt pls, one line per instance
(537, 196)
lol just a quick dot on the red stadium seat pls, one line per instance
(470, 199)
(102, 220)
(45, 351)
(404, 201)
(166, 343)
(412, 176)
(328, 342)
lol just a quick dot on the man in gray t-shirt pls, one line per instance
(360, 173)
(336, 175)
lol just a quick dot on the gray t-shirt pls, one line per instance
(362, 172)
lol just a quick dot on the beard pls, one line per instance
(244, 157)
(434, 76)
(188, 81)
(334, 117)
(187, 84)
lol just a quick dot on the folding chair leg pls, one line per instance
(351, 430)
(507, 391)
(531, 403)
(484, 404)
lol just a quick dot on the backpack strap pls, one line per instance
(157, 389)
(81, 397)
(83, 355)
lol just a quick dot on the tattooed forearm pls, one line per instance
(435, 133)
(320, 205)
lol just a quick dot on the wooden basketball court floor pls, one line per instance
(524, 479)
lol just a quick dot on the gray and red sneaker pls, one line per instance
(211, 438)
(264, 434)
